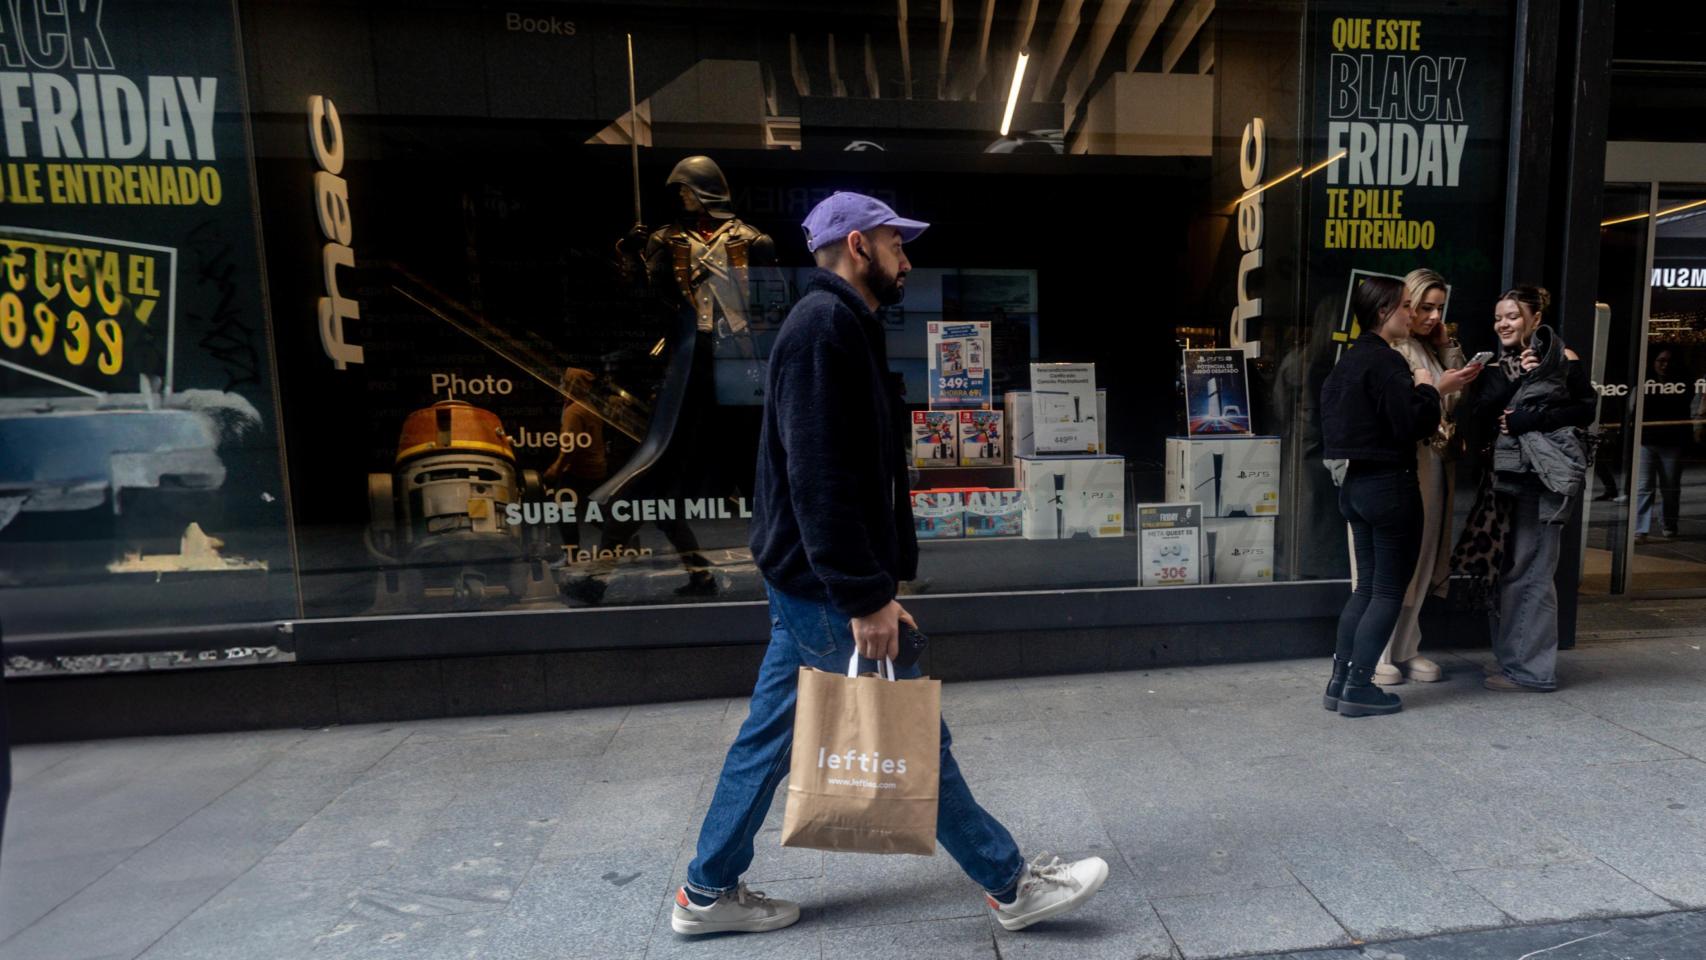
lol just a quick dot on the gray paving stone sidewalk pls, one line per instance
(1668, 936)
(1238, 816)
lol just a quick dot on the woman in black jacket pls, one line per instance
(1528, 518)
(1374, 411)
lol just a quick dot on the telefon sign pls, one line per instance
(331, 206)
(1252, 160)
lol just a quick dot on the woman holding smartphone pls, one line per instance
(1527, 518)
(1427, 348)
(1374, 411)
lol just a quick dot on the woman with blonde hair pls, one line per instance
(1374, 412)
(1428, 348)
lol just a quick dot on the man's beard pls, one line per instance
(888, 290)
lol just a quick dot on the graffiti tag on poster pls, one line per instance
(85, 312)
(1395, 119)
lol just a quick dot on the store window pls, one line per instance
(140, 478)
(524, 265)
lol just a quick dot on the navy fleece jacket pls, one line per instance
(832, 515)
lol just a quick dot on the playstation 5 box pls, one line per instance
(1022, 437)
(1072, 497)
(1229, 476)
(1063, 408)
(1239, 549)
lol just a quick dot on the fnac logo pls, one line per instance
(331, 205)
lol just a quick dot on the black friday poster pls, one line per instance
(142, 485)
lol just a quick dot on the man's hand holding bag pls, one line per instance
(866, 763)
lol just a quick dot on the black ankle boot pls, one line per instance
(1336, 686)
(1361, 698)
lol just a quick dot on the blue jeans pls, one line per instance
(1661, 473)
(811, 634)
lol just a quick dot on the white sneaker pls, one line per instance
(1047, 889)
(738, 911)
(1388, 675)
(1423, 670)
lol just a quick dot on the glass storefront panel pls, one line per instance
(525, 267)
(1410, 118)
(1617, 346)
(1669, 488)
(140, 478)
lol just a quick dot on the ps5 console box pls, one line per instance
(938, 514)
(994, 513)
(1069, 497)
(1063, 408)
(983, 438)
(934, 438)
(1044, 485)
(1022, 438)
(1239, 549)
(1229, 476)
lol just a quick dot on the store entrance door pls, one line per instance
(1645, 530)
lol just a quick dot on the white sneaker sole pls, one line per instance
(1054, 909)
(695, 928)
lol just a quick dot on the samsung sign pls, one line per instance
(1679, 278)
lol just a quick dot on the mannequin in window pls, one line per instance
(700, 265)
(702, 260)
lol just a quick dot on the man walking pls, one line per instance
(832, 533)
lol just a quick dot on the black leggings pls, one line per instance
(1384, 508)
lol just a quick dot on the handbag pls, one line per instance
(866, 765)
(1446, 441)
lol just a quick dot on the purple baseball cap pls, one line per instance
(843, 213)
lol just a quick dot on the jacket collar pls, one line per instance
(820, 279)
(1369, 338)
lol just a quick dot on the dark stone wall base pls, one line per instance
(319, 694)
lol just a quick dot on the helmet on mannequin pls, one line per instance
(702, 175)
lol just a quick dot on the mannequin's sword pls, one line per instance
(634, 130)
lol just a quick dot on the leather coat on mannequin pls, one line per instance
(702, 260)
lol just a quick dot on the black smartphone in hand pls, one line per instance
(911, 645)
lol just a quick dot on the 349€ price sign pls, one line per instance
(85, 313)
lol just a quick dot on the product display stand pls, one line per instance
(1069, 489)
(1236, 479)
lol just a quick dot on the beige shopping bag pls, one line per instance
(866, 765)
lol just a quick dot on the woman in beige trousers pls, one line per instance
(1429, 348)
